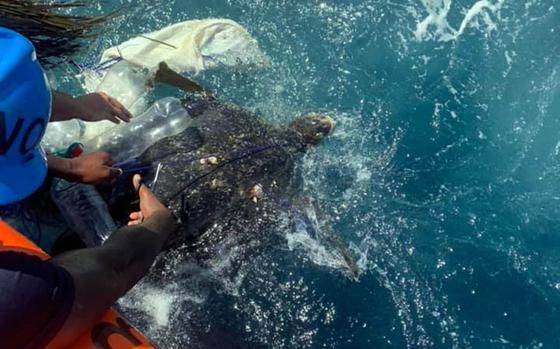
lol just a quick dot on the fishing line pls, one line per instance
(230, 161)
(183, 162)
(179, 163)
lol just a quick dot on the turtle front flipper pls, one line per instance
(336, 244)
(308, 213)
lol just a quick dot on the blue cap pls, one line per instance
(25, 106)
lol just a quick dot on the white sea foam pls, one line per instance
(436, 25)
(157, 303)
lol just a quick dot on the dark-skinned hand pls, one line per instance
(95, 168)
(100, 106)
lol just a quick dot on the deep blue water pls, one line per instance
(443, 173)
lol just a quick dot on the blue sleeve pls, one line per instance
(36, 297)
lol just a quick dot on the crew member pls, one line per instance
(92, 168)
(37, 217)
(48, 303)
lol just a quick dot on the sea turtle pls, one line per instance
(229, 179)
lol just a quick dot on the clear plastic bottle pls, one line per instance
(81, 205)
(84, 210)
(166, 117)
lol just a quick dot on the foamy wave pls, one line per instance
(156, 303)
(436, 26)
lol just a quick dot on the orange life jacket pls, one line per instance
(112, 331)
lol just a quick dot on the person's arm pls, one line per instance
(104, 274)
(96, 106)
(94, 168)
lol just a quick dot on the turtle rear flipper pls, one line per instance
(244, 231)
(168, 76)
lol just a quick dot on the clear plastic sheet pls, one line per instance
(60, 135)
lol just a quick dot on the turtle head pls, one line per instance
(312, 128)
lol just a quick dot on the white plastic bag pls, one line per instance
(193, 46)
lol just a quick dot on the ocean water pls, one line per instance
(443, 173)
